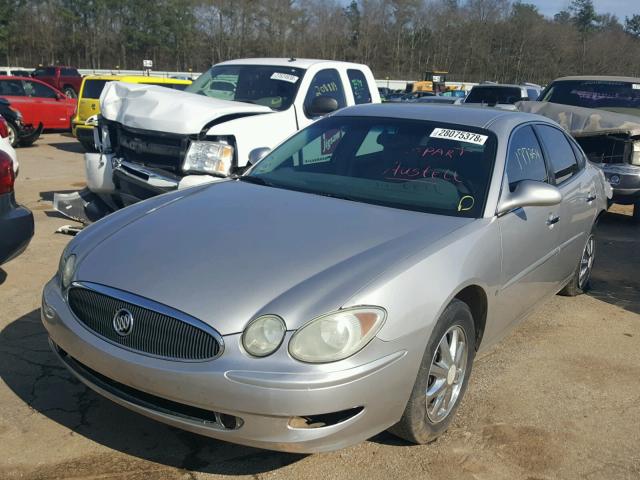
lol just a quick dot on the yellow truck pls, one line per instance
(89, 101)
(433, 82)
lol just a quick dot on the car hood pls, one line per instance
(230, 251)
(162, 109)
(581, 121)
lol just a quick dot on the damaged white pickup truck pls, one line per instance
(603, 115)
(152, 139)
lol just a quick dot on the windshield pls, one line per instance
(622, 97)
(494, 95)
(409, 164)
(271, 86)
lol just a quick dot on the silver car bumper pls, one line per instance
(269, 398)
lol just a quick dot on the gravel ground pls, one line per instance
(558, 398)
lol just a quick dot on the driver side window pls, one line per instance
(524, 158)
(38, 90)
(325, 83)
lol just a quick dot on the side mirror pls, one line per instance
(530, 193)
(322, 105)
(258, 154)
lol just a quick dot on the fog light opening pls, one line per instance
(324, 419)
(228, 422)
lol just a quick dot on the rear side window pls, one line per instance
(69, 72)
(562, 158)
(359, 86)
(326, 83)
(524, 159)
(41, 72)
(12, 88)
(494, 95)
(93, 88)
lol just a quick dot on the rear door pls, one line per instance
(13, 90)
(529, 235)
(578, 192)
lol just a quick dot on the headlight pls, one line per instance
(208, 157)
(92, 121)
(336, 335)
(66, 269)
(264, 335)
(635, 158)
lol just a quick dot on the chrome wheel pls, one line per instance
(586, 262)
(12, 136)
(446, 374)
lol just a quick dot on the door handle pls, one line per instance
(552, 220)
(591, 197)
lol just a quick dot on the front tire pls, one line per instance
(442, 378)
(13, 135)
(580, 282)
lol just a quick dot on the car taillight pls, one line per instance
(7, 177)
(4, 128)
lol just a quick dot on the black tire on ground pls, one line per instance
(574, 287)
(13, 134)
(26, 143)
(88, 146)
(636, 212)
(70, 92)
(415, 425)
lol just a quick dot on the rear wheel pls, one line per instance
(580, 282)
(442, 379)
(70, 92)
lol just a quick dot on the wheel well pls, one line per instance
(476, 299)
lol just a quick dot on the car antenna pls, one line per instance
(292, 59)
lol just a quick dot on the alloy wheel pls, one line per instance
(586, 262)
(446, 374)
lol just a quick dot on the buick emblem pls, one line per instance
(123, 322)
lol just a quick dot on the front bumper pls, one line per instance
(625, 180)
(135, 182)
(265, 394)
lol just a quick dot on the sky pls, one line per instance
(619, 8)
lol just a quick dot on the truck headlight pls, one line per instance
(214, 158)
(66, 269)
(635, 157)
(264, 335)
(337, 335)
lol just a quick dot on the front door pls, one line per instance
(530, 236)
(50, 107)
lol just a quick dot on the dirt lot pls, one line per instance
(559, 398)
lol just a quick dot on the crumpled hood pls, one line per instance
(230, 251)
(150, 107)
(584, 121)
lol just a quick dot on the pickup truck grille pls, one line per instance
(152, 149)
(152, 332)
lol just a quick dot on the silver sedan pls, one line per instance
(340, 287)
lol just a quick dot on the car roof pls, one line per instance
(138, 79)
(604, 78)
(283, 62)
(470, 115)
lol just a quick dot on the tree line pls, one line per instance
(474, 40)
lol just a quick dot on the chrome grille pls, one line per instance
(153, 333)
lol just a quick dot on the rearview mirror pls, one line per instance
(530, 193)
(257, 154)
(322, 105)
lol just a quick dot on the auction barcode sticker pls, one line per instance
(285, 77)
(468, 137)
(635, 86)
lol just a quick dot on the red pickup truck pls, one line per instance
(65, 79)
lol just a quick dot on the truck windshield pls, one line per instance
(408, 164)
(271, 86)
(616, 96)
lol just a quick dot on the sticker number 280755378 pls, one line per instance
(469, 137)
